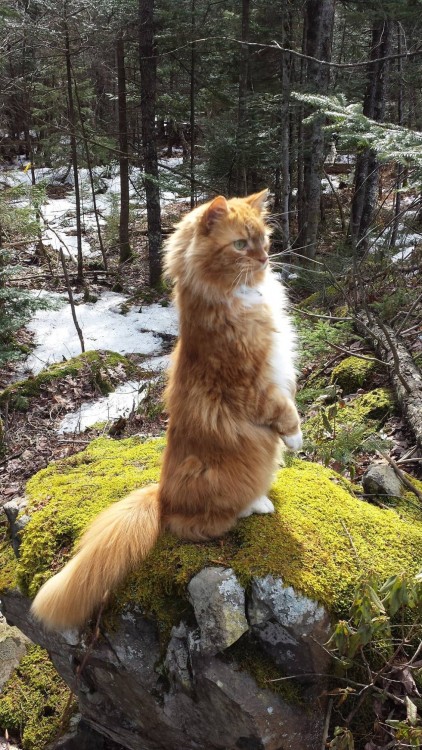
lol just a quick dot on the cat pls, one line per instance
(230, 396)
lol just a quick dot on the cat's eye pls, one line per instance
(240, 244)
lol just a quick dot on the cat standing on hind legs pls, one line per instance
(230, 397)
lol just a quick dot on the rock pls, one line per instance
(289, 625)
(12, 510)
(192, 700)
(219, 604)
(381, 479)
(157, 678)
(352, 373)
(84, 737)
(12, 647)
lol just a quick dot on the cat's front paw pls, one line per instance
(294, 441)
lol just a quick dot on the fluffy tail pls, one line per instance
(118, 539)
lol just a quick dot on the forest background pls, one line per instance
(136, 112)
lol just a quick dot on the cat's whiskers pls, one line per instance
(236, 280)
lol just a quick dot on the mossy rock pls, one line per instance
(98, 364)
(327, 295)
(33, 701)
(352, 373)
(306, 541)
(366, 410)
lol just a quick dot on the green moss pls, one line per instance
(34, 700)
(366, 410)
(8, 566)
(69, 494)
(98, 364)
(306, 542)
(328, 294)
(352, 373)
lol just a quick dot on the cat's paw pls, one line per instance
(295, 441)
(261, 505)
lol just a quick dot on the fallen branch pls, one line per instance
(351, 353)
(405, 376)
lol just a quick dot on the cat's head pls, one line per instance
(221, 245)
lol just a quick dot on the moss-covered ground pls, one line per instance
(99, 366)
(33, 702)
(320, 540)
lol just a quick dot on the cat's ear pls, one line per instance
(258, 201)
(215, 211)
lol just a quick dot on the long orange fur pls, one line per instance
(226, 413)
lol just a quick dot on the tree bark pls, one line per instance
(318, 42)
(73, 147)
(405, 376)
(241, 185)
(125, 253)
(192, 106)
(148, 67)
(366, 172)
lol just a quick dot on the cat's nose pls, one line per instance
(263, 259)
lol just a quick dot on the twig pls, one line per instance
(81, 666)
(401, 475)
(72, 304)
(409, 312)
(355, 354)
(315, 315)
(327, 724)
(352, 544)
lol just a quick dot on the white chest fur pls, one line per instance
(282, 354)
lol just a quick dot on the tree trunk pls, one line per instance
(400, 171)
(318, 41)
(148, 67)
(192, 106)
(366, 171)
(241, 185)
(125, 253)
(73, 147)
(285, 141)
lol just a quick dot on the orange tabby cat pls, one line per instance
(230, 398)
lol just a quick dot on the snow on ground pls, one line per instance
(103, 327)
(119, 403)
(60, 213)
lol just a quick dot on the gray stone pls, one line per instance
(177, 661)
(17, 523)
(290, 626)
(132, 698)
(381, 479)
(13, 646)
(219, 604)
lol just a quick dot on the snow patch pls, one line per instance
(119, 403)
(103, 327)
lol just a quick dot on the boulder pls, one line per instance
(193, 645)
(381, 479)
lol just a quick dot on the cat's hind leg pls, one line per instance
(260, 505)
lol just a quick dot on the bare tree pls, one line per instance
(148, 67)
